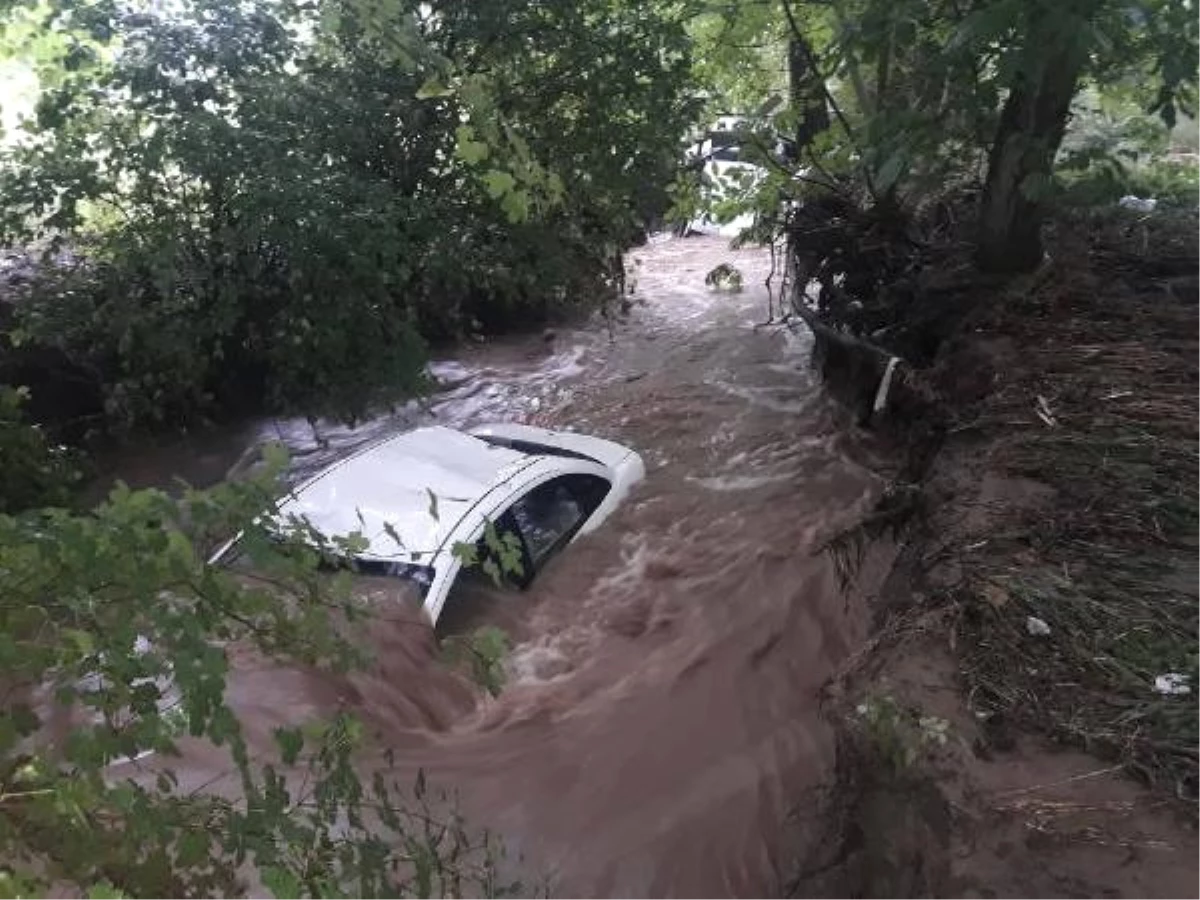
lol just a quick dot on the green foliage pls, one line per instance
(899, 736)
(483, 652)
(915, 92)
(278, 203)
(1111, 124)
(33, 472)
(1114, 149)
(739, 56)
(1171, 181)
(113, 637)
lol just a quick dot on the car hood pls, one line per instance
(406, 494)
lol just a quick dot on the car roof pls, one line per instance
(391, 483)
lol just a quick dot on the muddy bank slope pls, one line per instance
(1023, 722)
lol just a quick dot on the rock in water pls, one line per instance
(724, 278)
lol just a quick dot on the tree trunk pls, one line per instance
(807, 93)
(1020, 163)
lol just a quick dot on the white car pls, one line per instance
(726, 176)
(419, 495)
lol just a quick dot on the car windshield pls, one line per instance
(731, 153)
(533, 448)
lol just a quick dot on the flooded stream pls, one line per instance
(660, 722)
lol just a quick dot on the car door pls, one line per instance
(552, 513)
(547, 516)
(526, 512)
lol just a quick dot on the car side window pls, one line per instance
(551, 513)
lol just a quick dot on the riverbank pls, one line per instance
(1023, 721)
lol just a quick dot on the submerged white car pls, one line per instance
(726, 176)
(417, 497)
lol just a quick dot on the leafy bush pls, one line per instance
(277, 205)
(1113, 149)
(113, 632)
(1171, 181)
(1104, 183)
(32, 472)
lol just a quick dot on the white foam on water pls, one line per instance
(738, 482)
(537, 662)
(765, 397)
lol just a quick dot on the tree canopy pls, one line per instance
(914, 99)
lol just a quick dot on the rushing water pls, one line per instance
(661, 718)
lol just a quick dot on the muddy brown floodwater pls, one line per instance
(660, 724)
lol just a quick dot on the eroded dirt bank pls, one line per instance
(1005, 731)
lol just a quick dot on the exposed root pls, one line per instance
(892, 513)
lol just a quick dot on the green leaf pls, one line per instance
(472, 152)
(275, 455)
(290, 741)
(422, 871)
(467, 554)
(433, 89)
(104, 890)
(193, 848)
(491, 537)
(390, 530)
(467, 148)
(84, 643)
(433, 504)
(890, 171)
(492, 570)
(498, 183)
(420, 785)
(986, 24)
(281, 882)
(516, 206)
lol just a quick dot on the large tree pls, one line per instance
(921, 95)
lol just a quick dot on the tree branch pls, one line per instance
(811, 60)
(802, 41)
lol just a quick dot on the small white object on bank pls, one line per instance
(885, 384)
(1037, 627)
(1172, 684)
(1138, 204)
(1044, 412)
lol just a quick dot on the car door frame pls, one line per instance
(496, 503)
(567, 536)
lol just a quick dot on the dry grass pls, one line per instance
(1100, 404)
